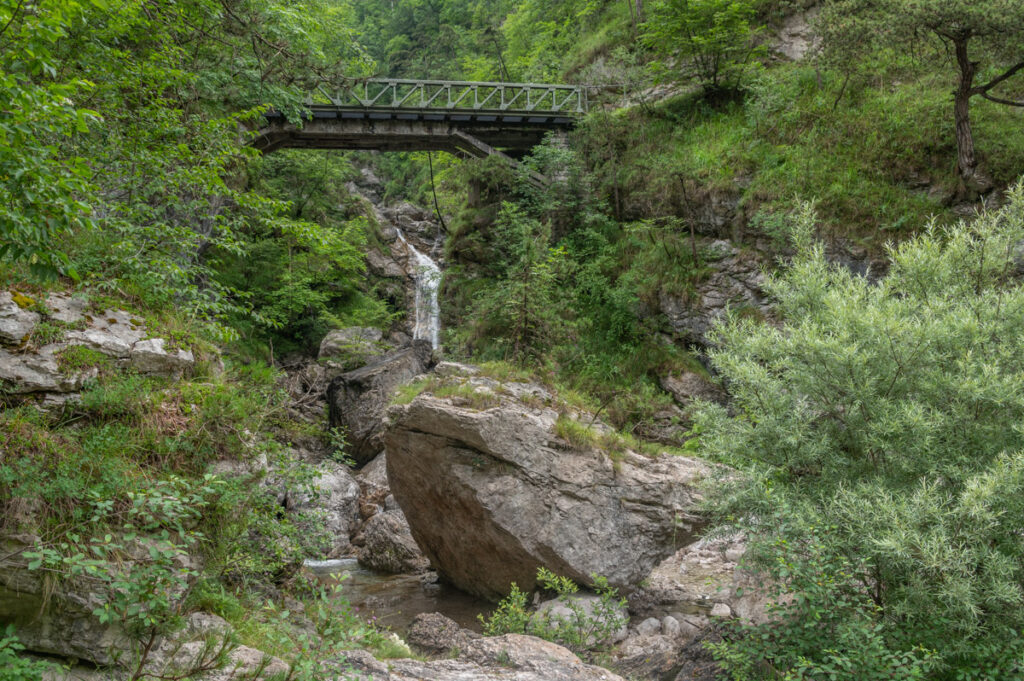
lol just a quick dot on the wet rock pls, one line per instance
(388, 545)
(435, 634)
(492, 495)
(16, 323)
(358, 400)
(152, 357)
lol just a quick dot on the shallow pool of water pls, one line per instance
(394, 600)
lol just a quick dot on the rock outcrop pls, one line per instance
(511, 657)
(38, 351)
(492, 495)
(736, 282)
(358, 400)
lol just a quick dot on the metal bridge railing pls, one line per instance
(451, 95)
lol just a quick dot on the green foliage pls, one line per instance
(882, 482)
(14, 667)
(583, 629)
(43, 192)
(520, 311)
(79, 357)
(712, 41)
(579, 435)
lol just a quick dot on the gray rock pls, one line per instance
(358, 400)
(39, 372)
(388, 545)
(687, 386)
(492, 495)
(435, 634)
(383, 265)
(102, 341)
(337, 501)
(721, 610)
(736, 283)
(16, 324)
(670, 627)
(511, 657)
(152, 357)
(696, 580)
(796, 37)
(65, 308)
(649, 627)
(353, 344)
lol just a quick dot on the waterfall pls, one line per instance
(428, 310)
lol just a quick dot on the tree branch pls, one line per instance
(1000, 100)
(1009, 73)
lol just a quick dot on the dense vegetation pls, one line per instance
(882, 474)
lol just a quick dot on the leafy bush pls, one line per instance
(884, 486)
(13, 667)
(582, 630)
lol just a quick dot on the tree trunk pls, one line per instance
(973, 178)
(640, 11)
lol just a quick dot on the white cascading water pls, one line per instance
(428, 310)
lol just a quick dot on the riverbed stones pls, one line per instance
(358, 400)
(493, 494)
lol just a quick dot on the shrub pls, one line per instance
(884, 486)
(583, 630)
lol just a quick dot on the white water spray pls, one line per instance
(428, 310)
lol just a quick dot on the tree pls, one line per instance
(883, 485)
(983, 38)
(712, 39)
(521, 313)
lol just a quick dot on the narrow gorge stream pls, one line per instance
(395, 600)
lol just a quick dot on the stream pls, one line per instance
(394, 600)
(428, 309)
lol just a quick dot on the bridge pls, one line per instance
(475, 119)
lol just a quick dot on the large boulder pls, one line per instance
(493, 494)
(358, 400)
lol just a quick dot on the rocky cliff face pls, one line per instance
(493, 493)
